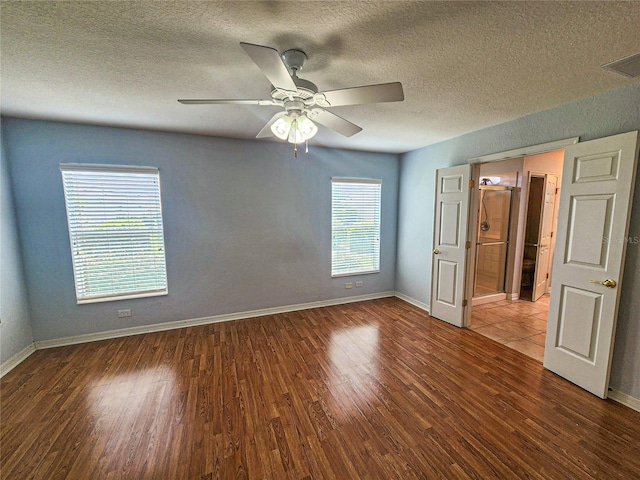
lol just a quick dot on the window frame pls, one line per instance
(156, 199)
(378, 216)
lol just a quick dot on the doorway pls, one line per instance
(517, 315)
(585, 295)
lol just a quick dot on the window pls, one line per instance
(355, 226)
(115, 227)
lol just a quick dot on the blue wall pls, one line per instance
(614, 112)
(247, 226)
(14, 311)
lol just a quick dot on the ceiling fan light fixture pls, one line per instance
(281, 127)
(302, 129)
(294, 130)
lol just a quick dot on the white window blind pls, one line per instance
(355, 226)
(115, 227)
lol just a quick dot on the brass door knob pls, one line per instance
(437, 252)
(609, 282)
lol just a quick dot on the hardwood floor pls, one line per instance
(367, 390)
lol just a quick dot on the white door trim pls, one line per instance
(526, 151)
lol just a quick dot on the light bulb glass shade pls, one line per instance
(302, 129)
(307, 127)
(281, 127)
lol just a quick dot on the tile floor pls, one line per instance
(519, 324)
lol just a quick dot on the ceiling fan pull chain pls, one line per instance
(294, 132)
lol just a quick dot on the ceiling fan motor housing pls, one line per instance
(294, 107)
(306, 90)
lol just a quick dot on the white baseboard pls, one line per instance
(159, 327)
(625, 399)
(495, 297)
(513, 296)
(18, 358)
(412, 301)
(11, 363)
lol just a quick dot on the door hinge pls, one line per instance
(471, 183)
(547, 275)
(464, 303)
(557, 190)
(467, 245)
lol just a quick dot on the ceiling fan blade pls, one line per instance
(269, 61)
(266, 130)
(385, 92)
(221, 101)
(334, 122)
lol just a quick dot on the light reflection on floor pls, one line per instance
(353, 353)
(354, 346)
(118, 398)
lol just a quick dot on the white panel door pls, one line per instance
(593, 224)
(544, 237)
(448, 260)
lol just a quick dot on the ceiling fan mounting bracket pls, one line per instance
(294, 59)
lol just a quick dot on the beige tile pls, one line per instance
(528, 348)
(542, 315)
(508, 312)
(477, 322)
(533, 322)
(484, 306)
(485, 317)
(488, 306)
(517, 329)
(544, 299)
(528, 308)
(520, 324)
(538, 339)
(496, 333)
(539, 307)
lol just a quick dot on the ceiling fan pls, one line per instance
(303, 104)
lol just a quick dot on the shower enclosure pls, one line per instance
(493, 240)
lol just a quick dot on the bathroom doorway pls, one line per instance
(512, 306)
(541, 223)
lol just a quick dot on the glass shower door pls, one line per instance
(493, 240)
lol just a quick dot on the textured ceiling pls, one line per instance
(463, 65)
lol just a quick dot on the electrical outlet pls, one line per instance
(359, 284)
(124, 313)
(348, 285)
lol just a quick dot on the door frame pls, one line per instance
(472, 231)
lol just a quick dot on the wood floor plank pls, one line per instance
(375, 389)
